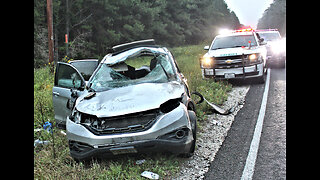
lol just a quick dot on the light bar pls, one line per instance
(245, 30)
(266, 30)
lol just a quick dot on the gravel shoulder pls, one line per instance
(211, 136)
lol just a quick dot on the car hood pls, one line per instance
(129, 99)
(232, 51)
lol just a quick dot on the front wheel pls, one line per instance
(262, 79)
(193, 121)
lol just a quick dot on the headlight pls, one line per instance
(278, 47)
(206, 62)
(75, 116)
(253, 57)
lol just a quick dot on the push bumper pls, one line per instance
(234, 73)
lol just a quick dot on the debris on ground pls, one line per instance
(149, 175)
(138, 162)
(38, 142)
(218, 109)
(63, 133)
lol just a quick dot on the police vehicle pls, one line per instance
(276, 47)
(236, 54)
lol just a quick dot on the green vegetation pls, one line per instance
(95, 25)
(274, 17)
(64, 167)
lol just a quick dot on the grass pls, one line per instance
(124, 167)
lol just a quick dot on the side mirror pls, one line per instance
(261, 41)
(206, 48)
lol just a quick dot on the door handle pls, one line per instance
(55, 93)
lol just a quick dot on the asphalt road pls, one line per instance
(270, 159)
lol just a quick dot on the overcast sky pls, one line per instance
(248, 11)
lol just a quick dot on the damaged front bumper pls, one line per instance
(171, 132)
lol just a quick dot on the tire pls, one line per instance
(193, 121)
(262, 79)
(282, 65)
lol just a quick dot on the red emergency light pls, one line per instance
(245, 30)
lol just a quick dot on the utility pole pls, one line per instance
(67, 28)
(50, 33)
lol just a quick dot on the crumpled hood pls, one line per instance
(232, 51)
(129, 99)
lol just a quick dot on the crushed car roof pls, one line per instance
(114, 59)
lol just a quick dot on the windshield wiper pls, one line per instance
(236, 46)
(217, 48)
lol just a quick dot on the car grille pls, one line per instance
(129, 123)
(221, 62)
(231, 57)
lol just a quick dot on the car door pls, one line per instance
(67, 78)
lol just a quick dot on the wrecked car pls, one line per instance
(135, 101)
(276, 47)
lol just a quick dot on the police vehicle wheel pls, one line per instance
(262, 79)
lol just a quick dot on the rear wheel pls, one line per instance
(282, 64)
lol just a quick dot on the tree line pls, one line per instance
(93, 26)
(274, 17)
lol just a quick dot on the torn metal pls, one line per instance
(111, 60)
(215, 107)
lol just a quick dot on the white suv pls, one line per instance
(237, 54)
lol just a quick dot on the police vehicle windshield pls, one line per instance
(233, 41)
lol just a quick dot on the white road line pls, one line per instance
(248, 170)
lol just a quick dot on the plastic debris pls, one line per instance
(215, 122)
(38, 141)
(37, 130)
(47, 126)
(138, 162)
(217, 108)
(63, 133)
(150, 175)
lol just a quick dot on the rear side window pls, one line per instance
(85, 67)
(67, 77)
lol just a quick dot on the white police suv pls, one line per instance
(235, 54)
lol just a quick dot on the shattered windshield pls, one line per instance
(233, 41)
(143, 68)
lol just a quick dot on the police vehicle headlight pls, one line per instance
(278, 47)
(206, 62)
(253, 57)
